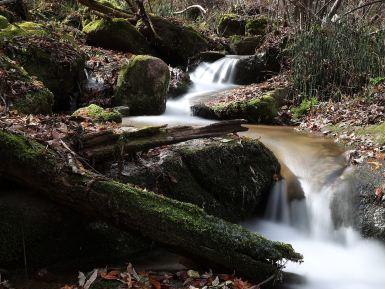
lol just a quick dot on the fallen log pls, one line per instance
(104, 145)
(107, 10)
(182, 227)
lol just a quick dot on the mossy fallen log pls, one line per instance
(182, 227)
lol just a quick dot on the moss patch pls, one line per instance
(98, 114)
(256, 26)
(262, 109)
(118, 34)
(22, 29)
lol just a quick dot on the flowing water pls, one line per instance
(333, 258)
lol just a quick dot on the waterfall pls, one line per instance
(207, 79)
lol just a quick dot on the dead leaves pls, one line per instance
(130, 279)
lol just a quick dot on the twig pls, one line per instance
(201, 9)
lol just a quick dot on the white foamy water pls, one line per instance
(333, 259)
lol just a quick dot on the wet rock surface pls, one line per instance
(227, 177)
(142, 85)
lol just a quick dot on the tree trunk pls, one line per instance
(182, 227)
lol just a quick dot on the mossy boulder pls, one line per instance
(21, 91)
(142, 85)
(241, 45)
(231, 24)
(177, 42)
(51, 234)
(98, 114)
(260, 109)
(257, 26)
(57, 63)
(256, 68)
(22, 29)
(180, 82)
(118, 34)
(193, 172)
(3, 22)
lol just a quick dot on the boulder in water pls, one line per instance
(259, 108)
(177, 42)
(193, 172)
(245, 45)
(142, 85)
(118, 34)
(256, 68)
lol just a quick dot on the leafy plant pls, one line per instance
(304, 107)
(377, 80)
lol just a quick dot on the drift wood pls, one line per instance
(182, 227)
(104, 145)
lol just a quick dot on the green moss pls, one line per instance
(99, 114)
(257, 26)
(375, 132)
(23, 151)
(304, 108)
(231, 24)
(257, 110)
(22, 29)
(3, 22)
(117, 34)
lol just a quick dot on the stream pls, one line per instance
(333, 258)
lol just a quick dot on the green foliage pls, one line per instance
(304, 107)
(338, 57)
(99, 114)
(377, 80)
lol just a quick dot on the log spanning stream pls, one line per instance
(333, 258)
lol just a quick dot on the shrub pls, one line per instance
(339, 57)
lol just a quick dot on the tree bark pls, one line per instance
(104, 145)
(182, 227)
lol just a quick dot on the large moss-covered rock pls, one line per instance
(58, 64)
(231, 24)
(51, 234)
(98, 114)
(194, 172)
(244, 45)
(177, 42)
(22, 92)
(257, 26)
(258, 109)
(256, 68)
(142, 85)
(118, 34)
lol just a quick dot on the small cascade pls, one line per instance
(221, 71)
(277, 209)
